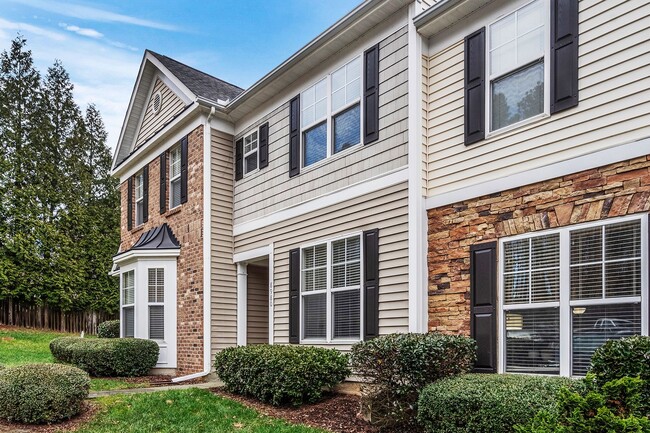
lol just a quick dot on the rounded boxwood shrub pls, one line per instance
(479, 403)
(107, 357)
(109, 329)
(627, 357)
(42, 393)
(281, 374)
(396, 367)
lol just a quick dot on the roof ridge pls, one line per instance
(195, 69)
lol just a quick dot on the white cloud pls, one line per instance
(102, 73)
(93, 14)
(91, 33)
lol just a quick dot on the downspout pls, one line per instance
(207, 259)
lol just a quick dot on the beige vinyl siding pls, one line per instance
(426, 4)
(154, 122)
(223, 275)
(614, 108)
(386, 210)
(271, 189)
(257, 314)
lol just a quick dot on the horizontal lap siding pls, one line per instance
(152, 123)
(223, 276)
(614, 81)
(271, 189)
(386, 210)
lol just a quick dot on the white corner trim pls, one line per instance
(600, 158)
(145, 254)
(252, 254)
(207, 256)
(347, 193)
(417, 297)
(271, 297)
(242, 303)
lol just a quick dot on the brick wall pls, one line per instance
(614, 190)
(186, 221)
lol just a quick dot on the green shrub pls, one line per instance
(281, 374)
(618, 407)
(109, 329)
(107, 357)
(396, 367)
(42, 393)
(479, 403)
(620, 358)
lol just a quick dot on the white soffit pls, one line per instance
(444, 14)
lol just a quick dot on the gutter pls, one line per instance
(434, 11)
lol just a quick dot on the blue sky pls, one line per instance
(101, 43)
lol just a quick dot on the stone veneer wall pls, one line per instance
(186, 221)
(614, 190)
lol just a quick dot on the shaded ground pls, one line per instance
(336, 412)
(89, 411)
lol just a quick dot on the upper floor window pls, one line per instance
(250, 152)
(139, 198)
(331, 113)
(568, 291)
(331, 290)
(517, 64)
(175, 177)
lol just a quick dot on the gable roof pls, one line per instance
(199, 83)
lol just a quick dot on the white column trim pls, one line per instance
(242, 305)
(207, 256)
(417, 214)
(271, 297)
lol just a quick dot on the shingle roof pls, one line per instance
(200, 83)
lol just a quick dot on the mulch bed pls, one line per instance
(336, 412)
(87, 412)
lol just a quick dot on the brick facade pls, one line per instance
(614, 190)
(186, 221)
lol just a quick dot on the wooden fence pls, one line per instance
(14, 313)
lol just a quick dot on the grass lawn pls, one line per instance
(182, 411)
(24, 346)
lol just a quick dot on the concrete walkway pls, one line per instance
(204, 385)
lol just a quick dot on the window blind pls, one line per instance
(129, 322)
(347, 314)
(315, 316)
(156, 285)
(156, 322)
(533, 341)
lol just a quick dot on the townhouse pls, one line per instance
(464, 166)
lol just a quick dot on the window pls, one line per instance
(565, 293)
(128, 302)
(331, 113)
(175, 177)
(156, 296)
(331, 290)
(139, 198)
(517, 47)
(250, 152)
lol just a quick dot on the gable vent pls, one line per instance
(157, 102)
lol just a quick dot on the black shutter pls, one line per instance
(475, 87)
(239, 159)
(371, 283)
(163, 182)
(264, 145)
(483, 291)
(145, 194)
(294, 296)
(371, 95)
(294, 136)
(129, 204)
(564, 54)
(184, 170)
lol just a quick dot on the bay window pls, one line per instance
(566, 292)
(331, 113)
(331, 290)
(128, 303)
(517, 65)
(156, 296)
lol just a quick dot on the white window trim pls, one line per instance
(172, 179)
(250, 152)
(123, 305)
(330, 115)
(329, 290)
(489, 78)
(139, 179)
(565, 303)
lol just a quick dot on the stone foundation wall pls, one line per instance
(186, 221)
(614, 190)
